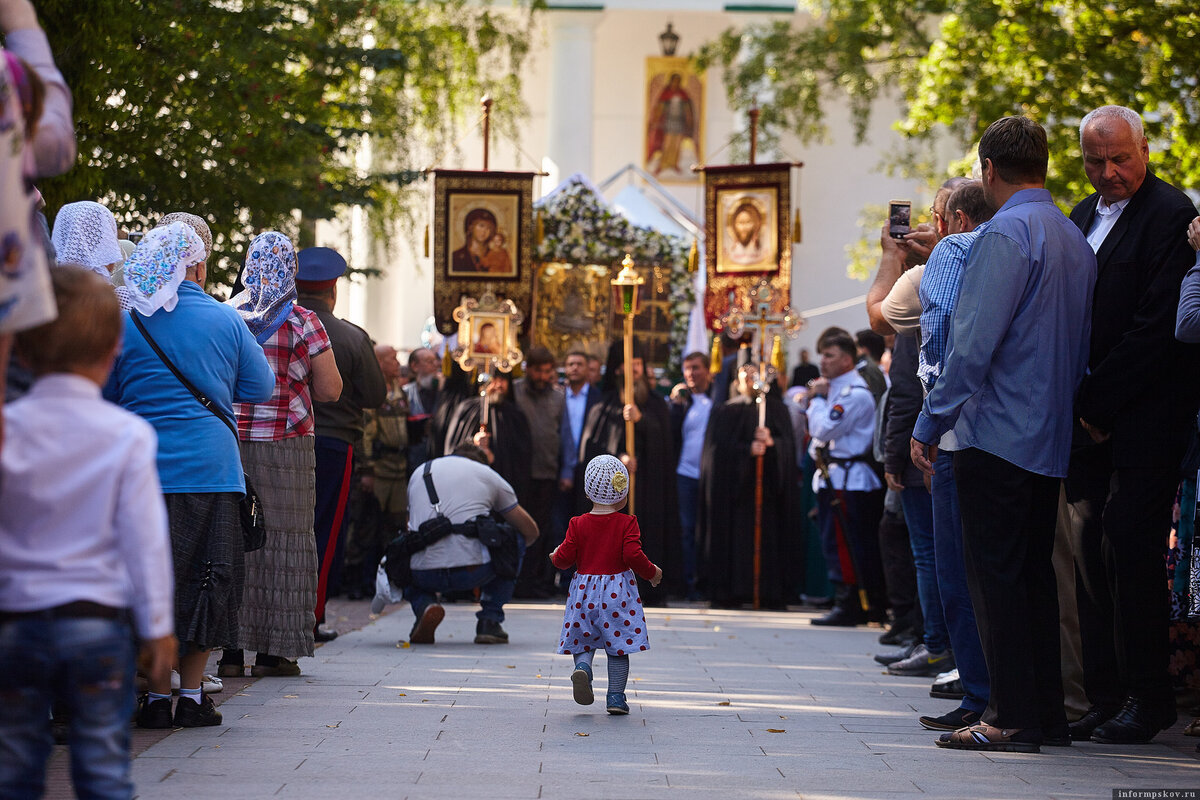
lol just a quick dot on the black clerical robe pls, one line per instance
(655, 503)
(457, 421)
(725, 523)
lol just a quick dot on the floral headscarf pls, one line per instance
(158, 265)
(85, 234)
(270, 281)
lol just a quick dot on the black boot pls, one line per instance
(847, 610)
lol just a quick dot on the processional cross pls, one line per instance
(765, 322)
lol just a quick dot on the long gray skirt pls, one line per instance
(281, 578)
(206, 545)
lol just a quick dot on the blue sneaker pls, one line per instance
(617, 704)
(581, 680)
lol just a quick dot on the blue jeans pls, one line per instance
(87, 664)
(952, 584)
(918, 516)
(493, 592)
(689, 502)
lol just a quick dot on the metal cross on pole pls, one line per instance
(765, 322)
(499, 350)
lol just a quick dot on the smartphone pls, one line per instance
(899, 218)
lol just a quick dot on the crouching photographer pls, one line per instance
(465, 531)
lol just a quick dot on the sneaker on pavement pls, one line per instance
(893, 656)
(616, 704)
(155, 714)
(488, 631)
(322, 634)
(581, 683)
(190, 714)
(898, 635)
(923, 663)
(431, 617)
(951, 720)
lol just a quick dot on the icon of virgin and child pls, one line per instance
(484, 247)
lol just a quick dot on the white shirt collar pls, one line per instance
(1104, 209)
(57, 384)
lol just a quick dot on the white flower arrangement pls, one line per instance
(579, 228)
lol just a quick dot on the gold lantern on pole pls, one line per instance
(627, 288)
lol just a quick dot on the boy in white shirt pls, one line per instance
(85, 560)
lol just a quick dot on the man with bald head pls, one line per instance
(1134, 410)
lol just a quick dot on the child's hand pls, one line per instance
(657, 579)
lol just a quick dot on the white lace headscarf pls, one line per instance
(85, 233)
(270, 281)
(158, 265)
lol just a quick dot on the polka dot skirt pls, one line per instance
(604, 612)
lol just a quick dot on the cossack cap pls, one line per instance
(320, 265)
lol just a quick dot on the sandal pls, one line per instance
(987, 737)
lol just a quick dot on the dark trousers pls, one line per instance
(860, 522)
(537, 573)
(689, 506)
(898, 571)
(334, 461)
(1120, 521)
(1008, 518)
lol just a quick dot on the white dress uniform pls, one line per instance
(845, 420)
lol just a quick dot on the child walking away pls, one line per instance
(604, 610)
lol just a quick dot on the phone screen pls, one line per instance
(899, 218)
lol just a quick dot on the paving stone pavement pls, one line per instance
(725, 704)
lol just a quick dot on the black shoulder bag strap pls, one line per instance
(429, 490)
(204, 401)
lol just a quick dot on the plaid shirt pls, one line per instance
(289, 411)
(939, 296)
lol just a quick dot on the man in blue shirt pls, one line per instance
(1016, 352)
(966, 208)
(691, 404)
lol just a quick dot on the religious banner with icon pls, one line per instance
(674, 134)
(483, 239)
(746, 209)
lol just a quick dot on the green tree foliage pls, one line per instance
(251, 112)
(957, 65)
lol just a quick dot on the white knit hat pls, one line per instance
(606, 481)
